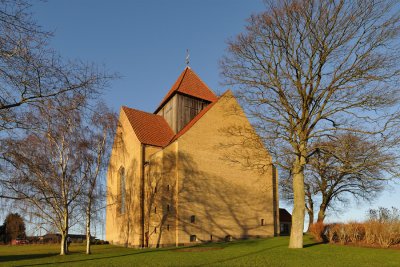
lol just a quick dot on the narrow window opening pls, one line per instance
(167, 207)
(167, 187)
(155, 230)
(262, 222)
(122, 189)
(168, 227)
(192, 219)
(155, 189)
(211, 238)
(193, 238)
(155, 209)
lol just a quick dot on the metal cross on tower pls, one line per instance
(187, 57)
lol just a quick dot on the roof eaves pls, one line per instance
(142, 139)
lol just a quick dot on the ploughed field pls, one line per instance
(260, 252)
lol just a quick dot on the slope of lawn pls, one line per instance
(261, 252)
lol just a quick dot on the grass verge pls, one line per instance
(261, 252)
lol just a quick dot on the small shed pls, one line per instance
(285, 222)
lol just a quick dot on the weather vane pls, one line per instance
(187, 57)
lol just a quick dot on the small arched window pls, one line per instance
(193, 219)
(122, 184)
(262, 222)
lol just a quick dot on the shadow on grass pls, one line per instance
(255, 252)
(241, 256)
(134, 252)
(10, 258)
(216, 245)
(313, 244)
(26, 257)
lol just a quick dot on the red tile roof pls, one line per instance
(151, 129)
(190, 84)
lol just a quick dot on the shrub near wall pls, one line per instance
(317, 231)
(384, 234)
(372, 233)
(355, 232)
(382, 229)
(352, 232)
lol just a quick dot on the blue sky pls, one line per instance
(145, 42)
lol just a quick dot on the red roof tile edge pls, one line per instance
(176, 86)
(153, 131)
(178, 134)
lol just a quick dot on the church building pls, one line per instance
(193, 171)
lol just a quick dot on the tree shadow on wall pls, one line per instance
(122, 209)
(221, 208)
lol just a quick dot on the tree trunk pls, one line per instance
(321, 212)
(310, 218)
(63, 243)
(309, 207)
(88, 217)
(299, 205)
(64, 234)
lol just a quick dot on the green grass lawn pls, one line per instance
(261, 252)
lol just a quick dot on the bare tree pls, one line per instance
(346, 166)
(30, 71)
(44, 167)
(32, 77)
(96, 149)
(351, 166)
(305, 68)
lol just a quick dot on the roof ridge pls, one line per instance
(141, 111)
(180, 82)
(201, 80)
(191, 84)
